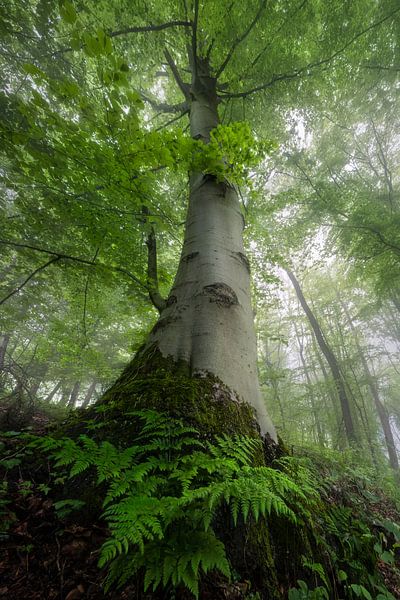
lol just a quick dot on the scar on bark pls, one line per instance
(171, 300)
(243, 259)
(189, 257)
(161, 323)
(221, 294)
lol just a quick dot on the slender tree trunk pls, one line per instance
(89, 394)
(65, 395)
(53, 392)
(275, 387)
(74, 395)
(379, 405)
(300, 343)
(3, 349)
(208, 318)
(328, 383)
(331, 360)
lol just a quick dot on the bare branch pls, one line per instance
(181, 107)
(138, 29)
(172, 120)
(308, 68)
(184, 87)
(150, 27)
(152, 271)
(23, 284)
(241, 38)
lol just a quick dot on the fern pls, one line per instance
(164, 492)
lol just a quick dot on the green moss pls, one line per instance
(154, 382)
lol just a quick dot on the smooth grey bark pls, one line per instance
(208, 317)
(331, 360)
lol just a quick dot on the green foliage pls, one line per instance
(64, 508)
(231, 153)
(303, 593)
(164, 492)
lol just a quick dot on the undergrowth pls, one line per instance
(163, 498)
(164, 492)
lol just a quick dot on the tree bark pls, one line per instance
(74, 395)
(53, 392)
(89, 394)
(3, 349)
(331, 360)
(208, 319)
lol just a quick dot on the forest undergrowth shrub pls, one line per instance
(329, 523)
(164, 492)
(356, 531)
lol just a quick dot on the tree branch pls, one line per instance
(152, 272)
(194, 37)
(184, 87)
(394, 68)
(138, 29)
(35, 272)
(61, 256)
(181, 107)
(241, 38)
(172, 121)
(85, 296)
(150, 27)
(378, 234)
(310, 66)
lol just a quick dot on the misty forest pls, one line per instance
(200, 299)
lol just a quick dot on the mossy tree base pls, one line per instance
(152, 381)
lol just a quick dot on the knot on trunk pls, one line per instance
(242, 259)
(221, 294)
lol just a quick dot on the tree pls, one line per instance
(114, 213)
(196, 323)
(331, 360)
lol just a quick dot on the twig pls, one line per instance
(23, 284)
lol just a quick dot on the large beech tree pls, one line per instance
(72, 132)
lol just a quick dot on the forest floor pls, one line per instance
(50, 553)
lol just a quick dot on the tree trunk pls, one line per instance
(379, 405)
(89, 394)
(300, 342)
(53, 392)
(328, 385)
(65, 395)
(208, 318)
(74, 395)
(331, 360)
(3, 349)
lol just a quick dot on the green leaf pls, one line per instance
(68, 12)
